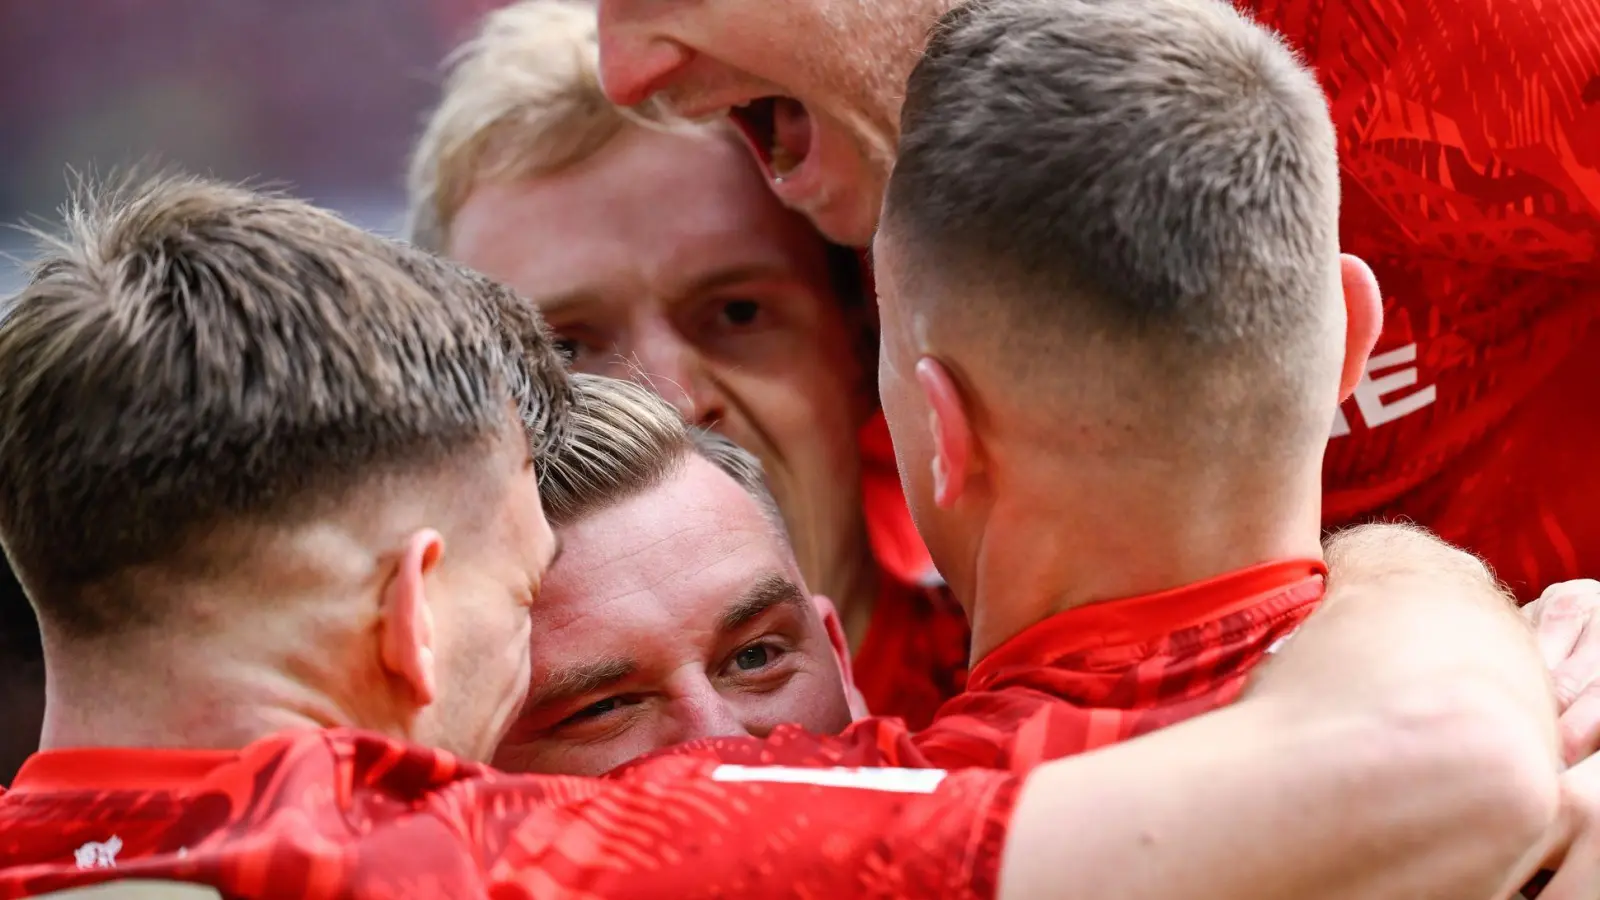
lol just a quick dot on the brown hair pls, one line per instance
(622, 440)
(1158, 176)
(190, 355)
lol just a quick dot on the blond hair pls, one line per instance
(521, 98)
(622, 440)
(191, 355)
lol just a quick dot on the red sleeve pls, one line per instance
(684, 827)
(819, 816)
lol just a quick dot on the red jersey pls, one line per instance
(1469, 142)
(914, 655)
(339, 813)
(1107, 672)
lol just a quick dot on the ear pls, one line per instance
(834, 627)
(1363, 320)
(406, 621)
(952, 431)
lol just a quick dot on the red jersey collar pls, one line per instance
(1138, 620)
(117, 768)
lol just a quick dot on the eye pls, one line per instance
(741, 312)
(755, 656)
(593, 711)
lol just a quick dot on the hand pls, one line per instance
(1573, 847)
(1566, 619)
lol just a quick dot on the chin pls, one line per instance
(848, 221)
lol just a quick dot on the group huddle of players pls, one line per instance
(361, 573)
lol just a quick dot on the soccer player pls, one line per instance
(1480, 218)
(270, 483)
(656, 252)
(677, 610)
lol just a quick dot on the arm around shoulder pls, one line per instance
(1403, 745)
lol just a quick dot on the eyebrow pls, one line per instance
(767, 592)
(553, 303)
(714, 280)
(721, 278)
(584, 678)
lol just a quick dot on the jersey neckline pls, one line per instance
(1141, 619)
(116, 768)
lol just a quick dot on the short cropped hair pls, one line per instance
(522, 98)
(190, 356)
(622, 440)
(1157, 174)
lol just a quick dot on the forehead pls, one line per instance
(660, 565)
(649, 206)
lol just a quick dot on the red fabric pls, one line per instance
(914, 655)
(895, 541)
(1107, 672)
(1469, 141)
(338, 814)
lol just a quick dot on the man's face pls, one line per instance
(905, 406)
(822, 80)
(479, 594)
(665, 257)
(675, 615)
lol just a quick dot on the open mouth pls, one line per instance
(779, 130)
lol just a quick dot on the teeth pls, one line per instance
(782, 161)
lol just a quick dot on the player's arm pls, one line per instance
(1403, 745)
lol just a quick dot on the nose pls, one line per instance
(635, 59)
(674, 369)
(704, 713)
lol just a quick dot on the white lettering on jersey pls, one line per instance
(96, 855)
(1278, 644)
(895, 781)
(1372, 395)
(139, 889)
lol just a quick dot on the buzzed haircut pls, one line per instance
(189, 356)
(1154, 176)
(622, 440)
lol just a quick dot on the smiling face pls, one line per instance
(819, 80)
(662, 258)
(674, 615)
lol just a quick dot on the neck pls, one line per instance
(188, 694)
(1106, 535)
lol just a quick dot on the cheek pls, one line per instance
(517, 758)
(814, 699)
(788, 418)
(552, 756)
(906, 422)
(514, 661)
(598, 759)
